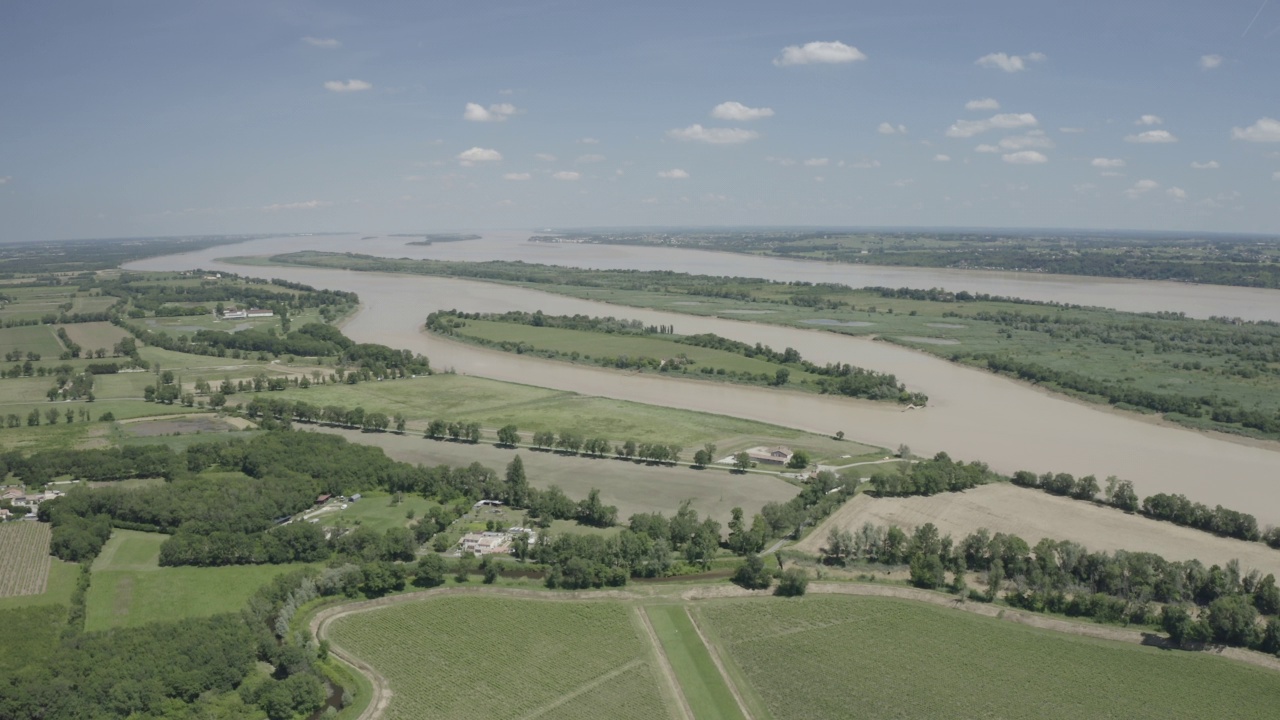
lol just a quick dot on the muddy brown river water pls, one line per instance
(971, 414)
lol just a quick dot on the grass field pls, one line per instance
(474, 656)
(129, 587)
(374, 510)
(823, 657)
(57, 590)
(31, 338)
(602, 345)
(701, 682)
(92, 336)
(32, 634)
(494, 404)
(24, 558)
(33, 303)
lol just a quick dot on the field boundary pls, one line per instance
(584, 688)
(664, 665)
(715, 658)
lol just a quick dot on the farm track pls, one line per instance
(382, 692)
(664, 665)
(585, 688)
(715, 658)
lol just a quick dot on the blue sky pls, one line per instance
(148, 118)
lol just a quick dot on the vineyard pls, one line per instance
(24, 558)
(821, 657)
(475, 656)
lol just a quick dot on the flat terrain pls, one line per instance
(633, 487)
(825, 657)
(95, 335)
(1032, 515)
(701, 682)
(24, 558)
(476, 656)
(31, 338)
(129, 587)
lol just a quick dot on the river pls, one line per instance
(971, 414)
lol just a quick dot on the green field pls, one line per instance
(95, 335)
(34, 303)
(374, 510)
(701, 682)
(57, 590)
(822, 657)
(477, 657)
(31, 338)
(494, 404)
(130, 588)
(605, 345)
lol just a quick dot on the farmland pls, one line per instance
(478, 656)
(24, 558)
(95, 335)
(1033, 515)
(130, 588)
(820, 657)
(701, 682)
(38, 339)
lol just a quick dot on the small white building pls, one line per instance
(486, 543)
(259, 313)
(234, 314)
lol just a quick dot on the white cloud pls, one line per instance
(1265, 130)
(1025, 157)
(1177, 192)
(567, 175)
(1149, 120)
(1009, 63)
(1070, 130)
(867, 164)
(674, 174)
(478, 154)
(545, 157)
(737, 111)
(1152, 136)
(590, 158)
(902, 183)
(1002, 121)
(1274, 176)
(985, 148)
(818, 52)
(1033, 139)
(942, 158)
(889, 129)
(816, 162)
(1209, 62)
(495, 113)
(715, 136)
(983, 104)
(1141, 187)
(4, 180)
(1107, 162)
(589, 141)
(326, 43)
(339, 86)
(516, 176)
(306, 205)
(1211, 165)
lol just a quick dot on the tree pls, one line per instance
(839, 434)
(508, 435)
(1182, 628)
(399, 418)
(462, 570)
(705, 456)
(742, 462)
(839, 545)
(781, 377)
(793, 583)
(382, 577)
(904, 452)
(1233, 620)
(799, 460)
(1086, 488)
(517, 494)
(51, 416)
(491, 570)
(436, 429)
(752, 574)
(33, 418)
(1125, 497)
(927, 571)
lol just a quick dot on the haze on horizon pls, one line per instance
(157, 118)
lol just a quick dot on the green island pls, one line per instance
(1219, 374)
(215, 515)
(631, 345)
(1211, 258)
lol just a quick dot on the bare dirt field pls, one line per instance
(24, 558)
(1033, 515)
(186, 425)
(95, 335)
(633, 487)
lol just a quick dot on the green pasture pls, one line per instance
(830, 656)
(598, 345)
(480, 656)
(495, 404)
(34, 303)
(375, 510)
(39, 339)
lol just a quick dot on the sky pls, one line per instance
(146, 118)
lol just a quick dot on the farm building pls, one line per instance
(488, 503)
(19, 497)
(486, 543)
(323, 499)
(259, 312)
(234, 314)
(777, 455)
(356, 497)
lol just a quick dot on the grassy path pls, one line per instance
(664, 664)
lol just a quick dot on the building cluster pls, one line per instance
(778, 455)
(243, 313)
(494, 542)
(17, 496)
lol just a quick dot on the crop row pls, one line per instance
(24, 558)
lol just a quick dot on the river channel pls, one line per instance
(971, 414)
